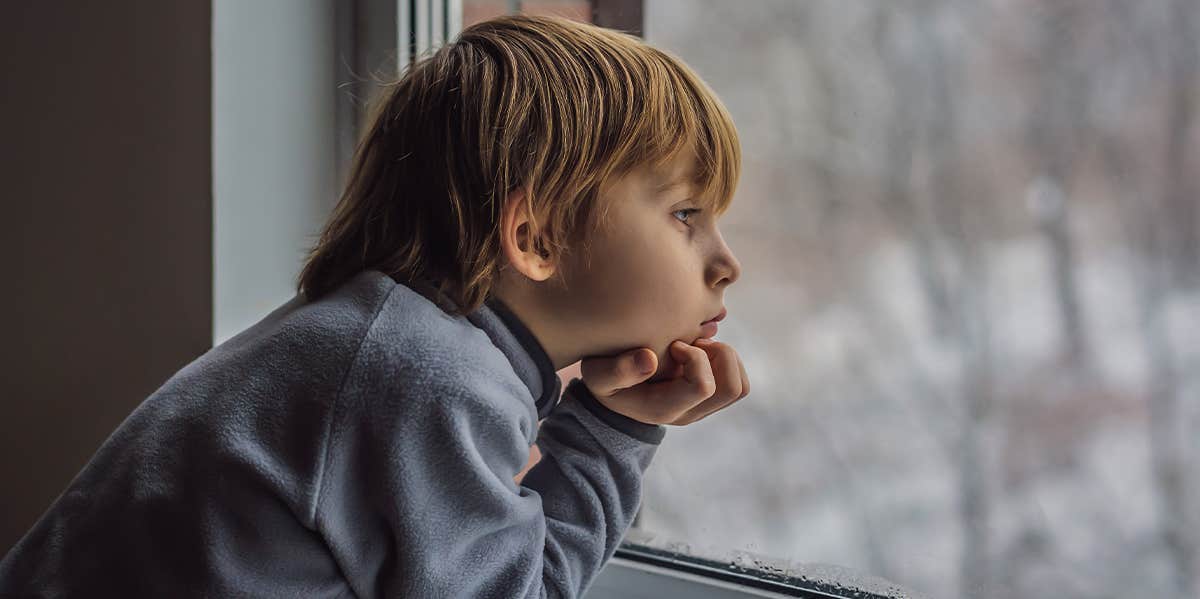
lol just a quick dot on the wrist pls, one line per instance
(649, 433)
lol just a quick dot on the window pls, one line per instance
(970, 300)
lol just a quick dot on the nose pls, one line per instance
(724, 269)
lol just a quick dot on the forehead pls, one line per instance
(679, 172)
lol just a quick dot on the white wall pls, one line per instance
(274, 150)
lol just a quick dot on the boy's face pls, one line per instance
(655, 273)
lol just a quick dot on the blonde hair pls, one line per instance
(554, 105)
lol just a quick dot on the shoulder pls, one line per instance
(301, 326)
(415, 349)
(301, 343)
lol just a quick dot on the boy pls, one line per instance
(536, 192)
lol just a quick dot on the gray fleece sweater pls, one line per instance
(362, 445)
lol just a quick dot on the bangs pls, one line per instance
(683, 115)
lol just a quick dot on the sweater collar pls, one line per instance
(549, 385)
(523, 350)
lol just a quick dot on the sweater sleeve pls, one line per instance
(417, 497)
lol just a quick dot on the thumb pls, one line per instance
(605, 375)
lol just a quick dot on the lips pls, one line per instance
(716, 318)
(708, 328)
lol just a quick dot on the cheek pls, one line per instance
(604, 289)
(641, 286)
(660, 304)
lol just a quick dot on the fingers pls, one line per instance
(696, 382)
(607, 375)
(705, 378)
(732, 383)
(745, 378)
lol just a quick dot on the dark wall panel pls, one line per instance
(105, 141)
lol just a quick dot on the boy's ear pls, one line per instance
(517, 243)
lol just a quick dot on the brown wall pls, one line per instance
(106, 233)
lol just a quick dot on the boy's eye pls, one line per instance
(687, 212)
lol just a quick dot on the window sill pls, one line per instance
(638, 571)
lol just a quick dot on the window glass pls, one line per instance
(970, 297)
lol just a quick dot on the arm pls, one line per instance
(418, 496)
(590, 479)
(535, 454)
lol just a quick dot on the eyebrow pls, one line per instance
(666, 186)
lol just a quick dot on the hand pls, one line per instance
(709, 376)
